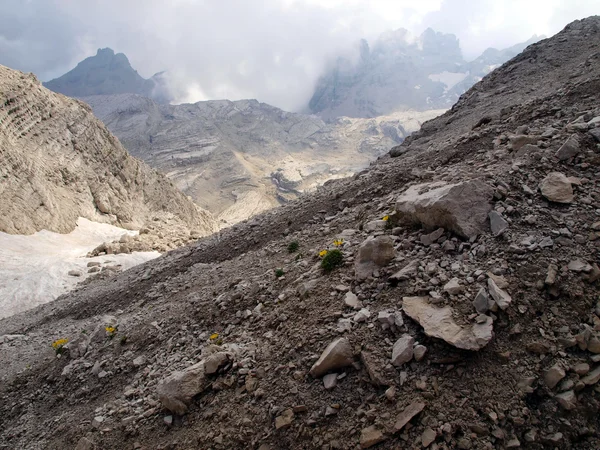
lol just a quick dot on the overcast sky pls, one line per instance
(272, 50)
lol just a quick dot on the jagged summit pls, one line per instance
(108, 73)
(468, 319)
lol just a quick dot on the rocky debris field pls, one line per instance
(463, 312)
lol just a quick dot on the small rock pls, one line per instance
(139, 361)
(362, 315)
(370, 436)
(390, 393)
(439, 323)
(305, 288)
(453, 287)
(482, 301)
(578, 265)
(513, 443)
(376, 225)
(428, 239)
(556, 187)
(593, 377)
(581, 369)
(74, 273)
(407, 272)
(502, 299)
(403, 350)
(389, 319)
(97, 422)
(569, 149)
(284, 420)
(551, 275)
(419, 352)
(352, 300)
(407, 414)
(372, 254)
(428, 437)
(497, 223)
(553, 376)
(567, 400)
(168, 420)
(337, 355)
(330, 381)
(85, 444)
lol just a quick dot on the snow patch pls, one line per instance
(34, 268)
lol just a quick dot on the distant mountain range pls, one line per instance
(107, 73)
(397, 73)
(239, 158)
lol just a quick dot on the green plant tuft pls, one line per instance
(333, 259)
(293, 247)
(279, 273)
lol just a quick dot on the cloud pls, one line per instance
(272, 50)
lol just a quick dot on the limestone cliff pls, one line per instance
(58, 162)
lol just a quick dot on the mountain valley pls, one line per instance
(445, 296)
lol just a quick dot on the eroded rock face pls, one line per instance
(460, 207)
(556, 187)
(372, 254)
(58, 162)
(439, 323)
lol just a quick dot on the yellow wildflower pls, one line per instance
(59, 343)
(214, 336)
(386, 218)
(322, 253)
(110, 330)
(338, 242)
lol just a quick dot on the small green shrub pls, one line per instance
(332, 259)
(293, 247)
(279, 273)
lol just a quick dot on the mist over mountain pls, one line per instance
(398, 72)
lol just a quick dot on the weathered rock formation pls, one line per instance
(58, 163)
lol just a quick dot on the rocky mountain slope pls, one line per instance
(240, 158)
(397, 73)
(58, 162)
(108, 73)
(469, 319)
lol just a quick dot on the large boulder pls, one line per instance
(372, 254)
(460, 207)
(439, 323)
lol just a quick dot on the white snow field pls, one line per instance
(34, 268)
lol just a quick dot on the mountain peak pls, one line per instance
(108, 73)
(105, 51)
